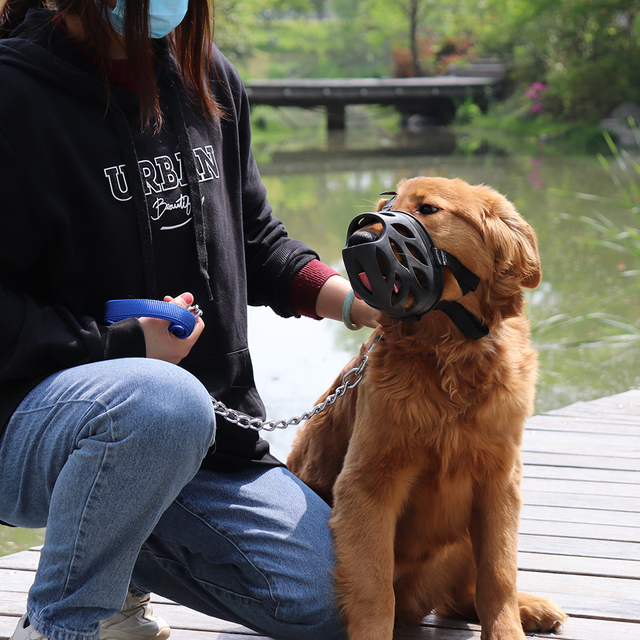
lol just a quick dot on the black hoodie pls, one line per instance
(93, 208)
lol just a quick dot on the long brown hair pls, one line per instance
(13, 14)
(190, 42)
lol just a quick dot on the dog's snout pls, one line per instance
(362, 236)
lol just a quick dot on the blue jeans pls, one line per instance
(107, 456)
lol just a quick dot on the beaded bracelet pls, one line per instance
(346, 312)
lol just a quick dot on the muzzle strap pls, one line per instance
(467, 280)
(470, 325)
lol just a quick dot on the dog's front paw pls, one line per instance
(540, 614)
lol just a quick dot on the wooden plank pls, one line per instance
(184, 618)
(579, 461)
(435, 633)
(603, 409)
(587, 605)
(16, 581)
(620, 404)
(368, 83)
(585, 515)
(590, 419)
(586, 424)
(179, 618)
(594, 503)
(566, 594)
(580, 530)
(25, 560)
(12, 604)
(575, 629)
(586, 596)
(590, 474)
(579, 547)
(185, 634)
(8, 625)
(578, 565)
(582, 487)
(615, 446)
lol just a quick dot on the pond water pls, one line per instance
(296, 360)
(317, 192)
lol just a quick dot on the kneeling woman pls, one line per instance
(128, 173)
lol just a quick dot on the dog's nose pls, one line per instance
(362, 236)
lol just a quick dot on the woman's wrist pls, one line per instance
(331, 304)
(347, 307)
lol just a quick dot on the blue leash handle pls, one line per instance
(182, 321)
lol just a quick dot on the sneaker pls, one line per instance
(24, 631)
(135, 622)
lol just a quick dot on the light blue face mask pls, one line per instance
(164, 16)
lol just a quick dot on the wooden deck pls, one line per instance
(579, 536)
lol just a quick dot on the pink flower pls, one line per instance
(534, 94)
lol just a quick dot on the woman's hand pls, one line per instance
(161, 343)
(363, 314)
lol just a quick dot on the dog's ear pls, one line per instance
(516, 258)
(514, 242)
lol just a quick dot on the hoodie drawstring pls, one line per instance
(138, 190)
(191, 172)
(139, 200)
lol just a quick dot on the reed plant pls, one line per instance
(615, 226)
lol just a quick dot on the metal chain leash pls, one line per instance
(349, 380)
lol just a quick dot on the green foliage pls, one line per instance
(347, 38)
(235, 30)
(467, 112)
(586, 51)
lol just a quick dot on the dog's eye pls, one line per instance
(427, 209)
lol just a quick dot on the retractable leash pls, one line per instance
(183, 321)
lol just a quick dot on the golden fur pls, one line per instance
(421, 461)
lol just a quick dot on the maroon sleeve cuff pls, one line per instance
(306, 285)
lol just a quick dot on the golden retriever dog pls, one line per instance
(421, 461)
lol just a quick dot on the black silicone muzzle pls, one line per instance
(393, 264)
(395, 267)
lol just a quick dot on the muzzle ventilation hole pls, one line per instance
(421, 278)
(382, 263)
(399, 253)
(403, 231)
(415, 251)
